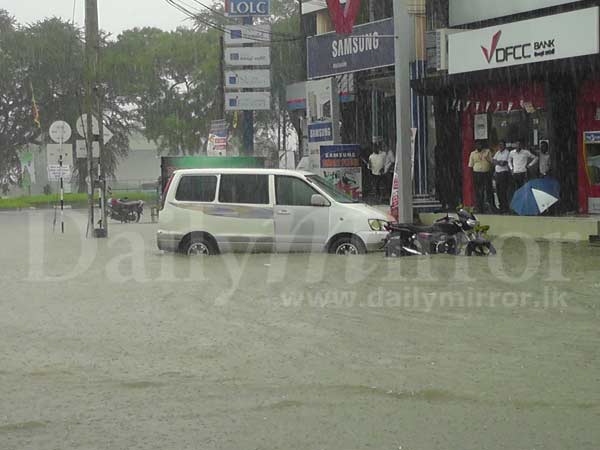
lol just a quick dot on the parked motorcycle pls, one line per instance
(451, 235)
(124, 210)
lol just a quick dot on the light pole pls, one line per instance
(403, 169)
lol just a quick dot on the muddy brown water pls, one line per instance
(113, 345)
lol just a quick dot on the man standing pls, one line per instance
(377, 166)
(502, 174)
(544, 159)
(519, 161)
(480, 162)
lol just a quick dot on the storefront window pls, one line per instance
(593, 163)
(529, 128)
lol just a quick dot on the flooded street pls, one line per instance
(113, 345)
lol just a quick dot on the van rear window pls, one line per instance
(246, 189)
(197, 188)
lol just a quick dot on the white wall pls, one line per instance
(468, 11)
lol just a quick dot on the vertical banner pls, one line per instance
(340, 165)
(395, 197)
(323, 112)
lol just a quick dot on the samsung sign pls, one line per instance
(544, 39)
(469, 11)
(241, 8)
(370, 46)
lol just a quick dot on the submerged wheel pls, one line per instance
(199, 246)
(348, 246)
(132, 216)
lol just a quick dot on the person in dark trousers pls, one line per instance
(377, 168)
(502, 175)
(480, 162)
(519, 161)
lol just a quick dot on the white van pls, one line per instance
(208, 211)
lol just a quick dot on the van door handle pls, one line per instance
(283, 212)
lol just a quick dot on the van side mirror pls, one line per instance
(318, 200)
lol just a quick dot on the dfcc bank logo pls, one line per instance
(536, 49)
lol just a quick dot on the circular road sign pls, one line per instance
(60, 131)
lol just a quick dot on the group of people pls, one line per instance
(510, 169)
(380, 167)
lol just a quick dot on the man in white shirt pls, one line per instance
(519, 161)
(502, 176)
(544, 159)
(377, 167)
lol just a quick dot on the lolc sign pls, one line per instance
(544, 39)
(243, 8)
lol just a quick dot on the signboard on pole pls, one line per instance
(81, 149)
(248, 56)
(247, 34)
(245, 8)
(248, 79)
(247, 101)
(60, 131)
(81, 126)
(56, 172)
(55, 151)
(370, 46)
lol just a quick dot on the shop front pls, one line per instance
(588, 125)
(523, 81)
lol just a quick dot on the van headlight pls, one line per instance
(377, 225)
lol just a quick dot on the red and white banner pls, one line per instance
(343, 17)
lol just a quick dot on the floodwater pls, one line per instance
(113, 345)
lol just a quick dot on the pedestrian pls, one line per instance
(545, 164)
(503, 177)
(480, 162)
(377, 168)
(519, 161)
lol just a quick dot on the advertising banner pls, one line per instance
(248, 79)
(248, 56)
(469, 11)
(247, 101)
(244, 8)
(217, 138)
(27, 170)
(370, 46)
(340, 165)
(247, 34)
(323, 117)
(481, 127)
(546, 38)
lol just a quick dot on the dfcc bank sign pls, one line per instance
(544, 39)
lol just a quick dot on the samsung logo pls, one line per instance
(354, 45)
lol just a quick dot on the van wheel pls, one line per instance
(200, 246)
(348, 246)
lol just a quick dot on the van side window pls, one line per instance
(291, 191)
(248, 189)
(196, 188)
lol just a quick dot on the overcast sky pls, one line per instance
(115, 15)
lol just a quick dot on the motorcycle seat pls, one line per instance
(412, 227)
(129, 202)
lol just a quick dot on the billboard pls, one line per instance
(247, 101)
(468, 11)
(340, 165)
(323, 117)
(248, 56)
(245, 8)
(248, 79)
(370, 46)
(247, 34)
(546, 38)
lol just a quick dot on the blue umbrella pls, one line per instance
(536, 197)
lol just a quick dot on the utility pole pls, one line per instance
(91, 72)
(221, 95)
(403, 168)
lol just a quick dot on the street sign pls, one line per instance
(245, 8)
(248, 101)
(247, 34)
(56, 172)
(54, 152)
(82, 128)
(81, 149)
(248, 56)
(243, 79)
(60, 131)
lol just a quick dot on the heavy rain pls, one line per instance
(231, 225)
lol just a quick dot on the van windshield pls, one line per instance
(331, 190)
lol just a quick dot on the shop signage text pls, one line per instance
(544, 39)
(340, 156)
(240, 8)
(248, 56)
(369, 47)
(320, 132)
